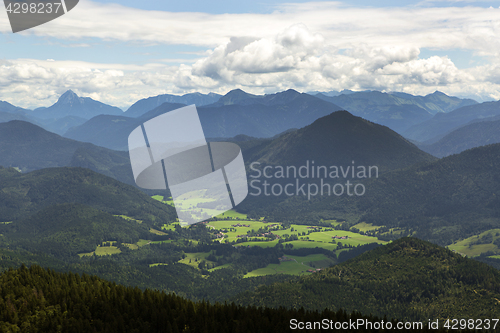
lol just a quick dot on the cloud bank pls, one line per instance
(311, 46)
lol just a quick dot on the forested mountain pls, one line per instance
(339, 139)
(442, 201)
(409, 279)
(65, 230)
(69, 104)
(22, 195)
(29, 147)
(73, 303)
(476, 134)
(147, 104)
(441, 124)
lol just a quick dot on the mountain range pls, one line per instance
(437, 127)
(480, 132)
(147, 104)
(399, 111)
(292, 110)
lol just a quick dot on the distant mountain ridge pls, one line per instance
(476, 134)
(147, 104)
(70, 104)
(399, 111)
(284, 111)
(441, 124)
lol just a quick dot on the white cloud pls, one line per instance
(309, 46)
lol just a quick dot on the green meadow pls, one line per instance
(476, 245)
(294, 265)
(363, 226)
(307, 236)
(107, 248)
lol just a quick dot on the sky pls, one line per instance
(120, 52)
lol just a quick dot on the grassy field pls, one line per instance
(297, 266)
(320, 238)
(233, 215)
(156, 232)
(102, 250)
(143, 242)
(106, 250)
(194, 259)
(363, 226)
(471, 246)
(128, 218)
(131, 246)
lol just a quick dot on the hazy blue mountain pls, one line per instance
(284, 111)
(436, 128)
(398, 111)
(7, 107)
(7, 116)
(112, 131)
(239, 97)
(473, 135)
(69, 104)
(29, 147)
(437, 101)
(146, 104)
(61, 126)
(236, 96)
(332, 93)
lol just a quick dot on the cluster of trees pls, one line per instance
(38, 300)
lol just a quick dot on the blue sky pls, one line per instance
(119, 52)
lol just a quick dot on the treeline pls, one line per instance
(38, 300)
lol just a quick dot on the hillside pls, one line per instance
(65, 230)
(409, 279)
(339, 139)
(22, 195)
(473, 135)
(441, 124)
(29, 147)
(441, 201)
(73, 303)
